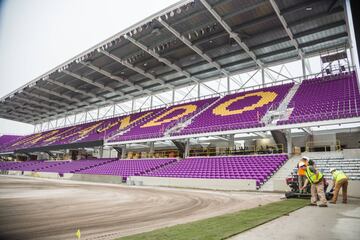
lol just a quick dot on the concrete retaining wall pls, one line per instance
(215, 184)
(93, 178)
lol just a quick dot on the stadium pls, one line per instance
(191, 124)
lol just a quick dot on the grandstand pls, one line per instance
(202, 94)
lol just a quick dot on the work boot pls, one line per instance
(323, 205)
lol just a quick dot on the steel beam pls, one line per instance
(111, 76)
(136, 69)
(232, 34)
(192, 46)
(88, 94)
(46, 99)
(161, 59)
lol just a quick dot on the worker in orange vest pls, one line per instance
(301, 172)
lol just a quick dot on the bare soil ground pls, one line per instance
(54, 209)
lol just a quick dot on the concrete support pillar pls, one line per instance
(289, 142)
(101, 151)
(187, 148)
(152, 149)
(123, 152)
(231, 141)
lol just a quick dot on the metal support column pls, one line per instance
(199, 93)
(303, 67)
(353, 46)
(263, 77)
(132, 105)
(228, 83)
(173, 96)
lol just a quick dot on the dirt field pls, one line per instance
(49, 209)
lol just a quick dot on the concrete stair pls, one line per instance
(280, 176)
(281, 111)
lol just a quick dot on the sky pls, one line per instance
(37, 35)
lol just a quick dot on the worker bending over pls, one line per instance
(315, 178)
(340, 180)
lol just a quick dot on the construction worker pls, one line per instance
(301, 172)
(340, 180)
(315, 178)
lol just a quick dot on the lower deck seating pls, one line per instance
(259, 168)
(125, 168)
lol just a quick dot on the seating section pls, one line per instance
(157, 125)
(326, 98)
(88, 132)
(259, 168)
(351, 167)
(318, 99)
(127, 168)
(5, 140)
(237, 111)
(19, 166)
(71, 166)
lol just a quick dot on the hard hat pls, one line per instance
(301, 164)
(332, 169)
(306, 158)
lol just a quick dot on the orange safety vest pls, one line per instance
(301, 172)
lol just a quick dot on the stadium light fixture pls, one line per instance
(308, 8)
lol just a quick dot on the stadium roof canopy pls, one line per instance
(189, 42)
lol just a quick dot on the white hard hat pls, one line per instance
(332, 169)
(301, 164)
(306, 158)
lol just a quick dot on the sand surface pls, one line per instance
(54, 209)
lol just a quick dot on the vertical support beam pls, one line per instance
(101, 151)
(263, 77)
(123, 152)
(132, 105)
(152, 149)
(173, 96)
(114, 109)
(289, 142)
(353, 46)
(231, 143)
(303, 67)
(98, 113)
(199, 90)
(187, 148)
(228, 83)
(151, 101)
